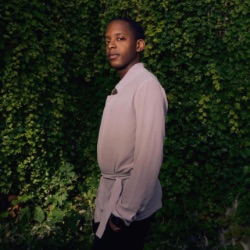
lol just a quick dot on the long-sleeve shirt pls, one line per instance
(130, 149)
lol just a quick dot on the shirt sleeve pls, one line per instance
(150, 107)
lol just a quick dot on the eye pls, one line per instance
(107, 41)
(120, 38)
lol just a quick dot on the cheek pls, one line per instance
(129, 50)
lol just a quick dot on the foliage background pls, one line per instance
(54, 80)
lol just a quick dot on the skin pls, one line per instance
(114, 227)
(122, 49)
(123, 52)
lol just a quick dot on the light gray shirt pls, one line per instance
(130, 149)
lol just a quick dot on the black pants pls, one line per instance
(129, 238)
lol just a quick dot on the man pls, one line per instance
(130, 144)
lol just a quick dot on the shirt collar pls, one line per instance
(125, 79)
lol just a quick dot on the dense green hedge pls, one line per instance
(54, 79)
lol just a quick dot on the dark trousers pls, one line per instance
(128, 238)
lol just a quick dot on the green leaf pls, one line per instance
(39, 214)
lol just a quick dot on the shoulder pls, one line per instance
(148, 79)
(140, 79)
(142, 75)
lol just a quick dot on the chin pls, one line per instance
(117, 66)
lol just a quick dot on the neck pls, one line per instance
(124, 71)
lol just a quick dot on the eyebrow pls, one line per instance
(117, 34)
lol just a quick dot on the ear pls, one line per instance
(140, 45)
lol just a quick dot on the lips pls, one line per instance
(113, 56)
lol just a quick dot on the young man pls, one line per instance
(130, 144)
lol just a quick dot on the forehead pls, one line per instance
(118, 27)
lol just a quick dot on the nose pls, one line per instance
(111, 45)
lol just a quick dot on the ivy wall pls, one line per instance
(54, 79)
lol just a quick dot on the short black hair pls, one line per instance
(136, 28)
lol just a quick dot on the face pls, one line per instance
(122, 49)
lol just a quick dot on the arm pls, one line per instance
(150, 111)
